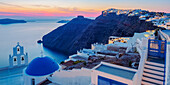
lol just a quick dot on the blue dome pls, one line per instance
(41, 66)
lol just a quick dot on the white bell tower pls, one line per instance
(18, 58)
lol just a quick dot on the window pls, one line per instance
(33, 81)
(106, 81)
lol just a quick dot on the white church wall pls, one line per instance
(28, 78)
(72, 77)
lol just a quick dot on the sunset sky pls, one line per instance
(88, 8)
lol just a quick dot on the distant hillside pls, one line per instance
(63, 21)
(11, 21)
(78, 34)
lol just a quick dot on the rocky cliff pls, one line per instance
(78, 34)
(63, 37)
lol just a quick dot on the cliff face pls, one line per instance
(63, 37)
(73, 36)
(112, 24)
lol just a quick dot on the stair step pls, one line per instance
(146, 83)
(155, 72)
(152, 80)
(156, 64)
(153, 76)
(153, 67)
(160, 79)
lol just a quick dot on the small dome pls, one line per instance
(41, 66)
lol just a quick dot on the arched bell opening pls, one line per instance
(15, 61)
(22, 59)
(18, 50)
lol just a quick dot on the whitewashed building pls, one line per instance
(154, 67)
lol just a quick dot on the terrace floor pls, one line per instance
(12, 76)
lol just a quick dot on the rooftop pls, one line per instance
(41, 66)
(166, 32)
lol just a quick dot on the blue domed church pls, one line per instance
(39, 69)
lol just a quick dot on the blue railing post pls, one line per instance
(149, 46)
(159, 48)
(165, 61)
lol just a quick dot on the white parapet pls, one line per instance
(167, 77)
(72, 77)
(98, 47)
(96, 72)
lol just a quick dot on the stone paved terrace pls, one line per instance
(11, 76)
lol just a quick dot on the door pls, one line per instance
(106, 81)
(157, 48)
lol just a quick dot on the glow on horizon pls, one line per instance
(88, 8)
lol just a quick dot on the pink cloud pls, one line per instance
(71, 13)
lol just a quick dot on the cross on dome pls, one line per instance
(17, 43)
(41, 53)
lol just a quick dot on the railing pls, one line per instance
(167, 69)
(167, 59)
(158, 48)
(165, 65)
(141, 47)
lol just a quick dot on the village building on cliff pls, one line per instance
(153, 67)
(143, 59)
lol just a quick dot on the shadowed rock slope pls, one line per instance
(64, 36)
(78, 34)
